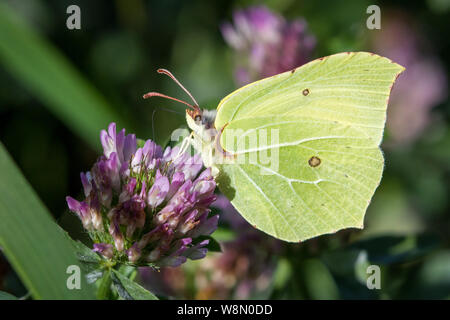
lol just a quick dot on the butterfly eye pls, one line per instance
(198, 118)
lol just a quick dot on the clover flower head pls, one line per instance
(145, 205)
(266, 44)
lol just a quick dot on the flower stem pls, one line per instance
(104, 290)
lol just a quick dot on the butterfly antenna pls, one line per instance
(157, 94)
(169, 74)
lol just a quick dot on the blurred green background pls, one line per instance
(59, 87)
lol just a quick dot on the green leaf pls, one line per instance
(282, 274)
(32, 242)
(396, 249)
(128, 271)
(104, 290)
(130, 290)
(351, 263)
(7, 296)
(45, 72)
(432, 281)
(319, 281)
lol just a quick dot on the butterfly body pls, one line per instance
(204, 136)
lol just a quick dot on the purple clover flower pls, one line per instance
(266, 44)
(145, 205)
(243, 269)
(422, 87)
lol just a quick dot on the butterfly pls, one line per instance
(298, 154)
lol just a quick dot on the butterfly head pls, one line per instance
(195, 114)
(204, 118)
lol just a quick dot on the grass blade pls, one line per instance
(33, 243)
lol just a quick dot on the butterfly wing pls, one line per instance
(316, 162)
